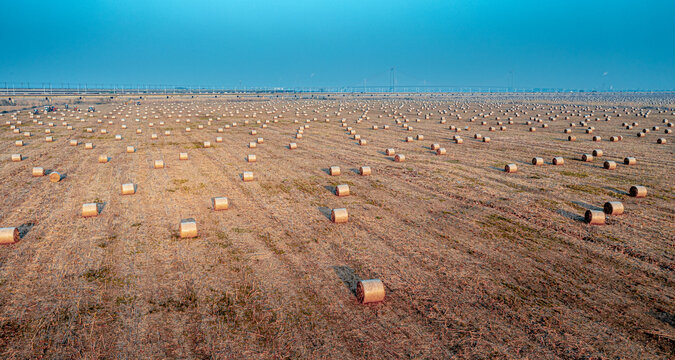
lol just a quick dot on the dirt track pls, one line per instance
(476, 263)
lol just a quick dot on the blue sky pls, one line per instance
(562, 44)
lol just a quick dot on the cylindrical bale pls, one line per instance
(572, 138)
(207, 144)
(537, 161)
(597, 152)
(251, 158)
(486, 139)
(18, 143)
(390, 152)
(511, 168)
(342, 190)
(260, 140)
(597, 138)
(459, 140)
(630, 161)
(9, 235)
(370, 291)
(247, 176)
(594, 217)
(131, 149)
(90, 210)
(435, 146)
(365, 170)
(103, 159)
(54, 177)
(220, 203)
(363, 142)
(334, 170)
(183, 156)
(558, 160)
(661, 141)
(49, 139)
(638, 191)
(159, 164)
(409, 139)
(88, 146)
(38, 171)
(613, 208)
(292, 146)
(587, 157)
(609, 165)
(441, 151)
(420, 137)
(187, 228)
(399, 158)
(252, 145)
(339, 215)
(73, 142)
(128, 189)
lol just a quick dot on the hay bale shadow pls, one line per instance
(326, 212)
(24, 229)
(355, 171)
(587, 206)
(332, 189)
(348, 277)
(569, 215)
(100, 206)
(620, 192)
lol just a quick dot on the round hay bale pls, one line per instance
(247, 176)
(638, 191)
(567, 131)
(18, 143)
(72, 142)
(219, 139)
(187, 228)
(399, 158)
(88, 146)
(365, 171)
(571, 138)
(17, 157)
(339, 215)
(254, 132)
(441, 151)
(558, 160)
(661, 141)
(131, 149)
(102, 159)
(477, 136)
(609, 165)
(118, 137)
(409, 139)
(533, 129)
(252, 145)
(260, 140)
(9, 235)
(370, 291)
(435, 146)
(207, 144)
(299, 136)
(594, 217)
(511, 168)
(139, 131)
(420, 137)
(597, 138)
(613, 208)
(292, 146)
(154, 137)
(220, 203)
(363, 142)
(159, 164)
(90, 210)
(342, 190)
(630, 161)
(183, 156)
(597, 152)
(587, 158)
(334, 170)
(486, 139)
(390, 152)
(251, 158)
(49, 139)
(667, 131)
(459, 140)
(128, 189)
(537, 161)
(54, 177)
(38, 172)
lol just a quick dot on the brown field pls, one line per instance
(476, 263)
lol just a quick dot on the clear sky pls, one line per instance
(581, 44)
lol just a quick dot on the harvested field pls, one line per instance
(475, 262)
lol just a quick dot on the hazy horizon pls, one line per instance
(603, 45)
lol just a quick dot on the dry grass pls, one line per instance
(476, 263)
